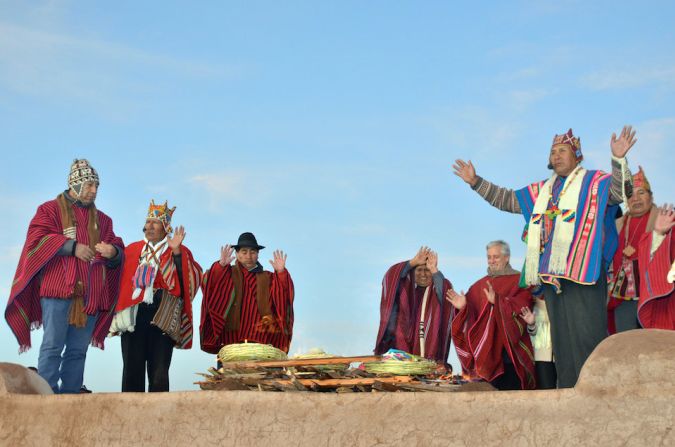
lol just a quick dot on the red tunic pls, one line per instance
(43, 273)
(436, 319)
(482, 331)
(218, 296)
(620, 279)
(656, 307)
(167, 279)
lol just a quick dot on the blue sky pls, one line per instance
(326, 128)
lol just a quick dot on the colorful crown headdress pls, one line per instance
(640, 180)
(572, 141)
(162, 213)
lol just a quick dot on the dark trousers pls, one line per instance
(578, 319)
(147, 345)
(546, 376)
(507, 381)
(625, 316)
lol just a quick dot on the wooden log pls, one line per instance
(301, 362)
(364, 381)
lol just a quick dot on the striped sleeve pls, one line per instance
(501, 198)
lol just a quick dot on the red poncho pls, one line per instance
(482, 331)
(656, 307)
(265, 317)
(167, 279)
(406, 337)
(624, 280)
(42, 273)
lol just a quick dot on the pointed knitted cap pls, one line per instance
(640, 180)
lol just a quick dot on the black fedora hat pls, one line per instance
(247, 240)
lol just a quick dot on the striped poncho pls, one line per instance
(594, 238)
(483, 331)
(43, 273)
(166, 279)
(239, 305)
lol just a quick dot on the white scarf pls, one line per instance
(564, 222)
(147, 258)
(125, 320)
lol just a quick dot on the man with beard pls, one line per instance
(413, 315)
(489, 329)
(67, 280)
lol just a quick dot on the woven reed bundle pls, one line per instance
(241, 352)
(416, 366)
(317, 353)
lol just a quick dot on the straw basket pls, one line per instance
(320, 354)
(401, 368)
(241, 352)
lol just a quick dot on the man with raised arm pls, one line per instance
(570, 238)
(413, 314)
(160, 278)
(624, 278)
(656, 252)
(489, 329)
(243, 302)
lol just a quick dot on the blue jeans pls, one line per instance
(54, 363)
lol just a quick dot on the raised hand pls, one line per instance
(177, 239)
(432, 262)
(107, 251)
(490, 293)
(421, 257)
(83, 252)
(665, 219)
(621, 146)
(465, 171)
(279, 261)
(458, 300)
(527, 316)
(226, 256)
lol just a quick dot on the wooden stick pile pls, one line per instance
(317, 375)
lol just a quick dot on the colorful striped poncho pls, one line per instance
(482, 331)
(167, 279)
(43, 273)
(595, 237)
(402, 302)
(228, 318)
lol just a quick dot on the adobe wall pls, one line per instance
(624, 397)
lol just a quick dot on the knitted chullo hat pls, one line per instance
(569, 139)
(81, 172)
(640, 180)
(162, 213)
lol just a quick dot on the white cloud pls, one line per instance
(523, 99)
(62, 66)
(223, 188)
(630, 78)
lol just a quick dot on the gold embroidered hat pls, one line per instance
(162, 213)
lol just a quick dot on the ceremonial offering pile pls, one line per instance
(318, 371)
